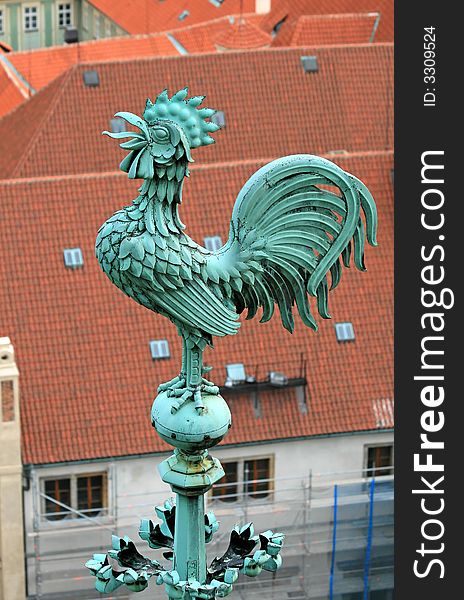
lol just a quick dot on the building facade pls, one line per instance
(72, 509)
(26, 25)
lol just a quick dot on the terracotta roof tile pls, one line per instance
(140, 16)
(347, 105)
(41, 66)
(10, 94)
(87, 377)
(292, 10)
(334, 29)
(242, 34)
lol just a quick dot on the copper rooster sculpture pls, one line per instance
(287, 233)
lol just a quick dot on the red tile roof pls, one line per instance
(145, 16)
(242, 34)
(334, 29)
(292, 10)
(87, 377)
(11, 94)
(41, 66)
(347, 105)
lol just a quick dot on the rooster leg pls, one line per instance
(194, 383)
(178, 382)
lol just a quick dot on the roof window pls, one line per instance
(183, 15)
(91, 79)
(159, 349)
(213, 243)
(73, 258)
(344, 332)
(310, 64)
(219, 118)
(118, 125)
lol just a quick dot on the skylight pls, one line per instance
(73, 258)
(159, 349)
(344, 332)
(91, 79)
(310, 64)
(213, 243)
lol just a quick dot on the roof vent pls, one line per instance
(183, 15)
(213, 243)
(310, 64)
(73, 258)
(118, 125)
(235, 374)
(91, 79)
(71, 35)
(218, 118)
(159, 349)
(344, 331)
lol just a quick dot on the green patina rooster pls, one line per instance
(286, 234)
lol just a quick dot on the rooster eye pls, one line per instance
(161, 134)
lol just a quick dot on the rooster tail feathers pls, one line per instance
(287, 233)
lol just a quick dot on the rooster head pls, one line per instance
(168, 130)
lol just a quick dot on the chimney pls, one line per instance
(262, 7)
(12, 577)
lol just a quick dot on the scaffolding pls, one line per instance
(338, 527)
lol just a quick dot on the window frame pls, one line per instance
(2, 20)
(27, 15)
(383, 473)
(63, 13)
(242, 495)
(72, 516)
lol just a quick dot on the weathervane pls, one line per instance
(287, 233)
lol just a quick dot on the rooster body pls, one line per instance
(286, 235)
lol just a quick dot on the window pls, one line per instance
(91, 79)
(73, 258)
(159, 349)
(31, 18)
(344, 332)
(212, 243)
(277, 26)
(117, 125)
(219, 118)
(245, 478)
(64, 496)
(226, 488)
(57, 491)
(2, 21)
(97, 26)
(379, 460)
(90, 493)
(309, 64)
(64, 15)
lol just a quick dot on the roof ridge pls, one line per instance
(193, 167)
(275, 49)
(39, 127)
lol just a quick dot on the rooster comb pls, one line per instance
(184, 112)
